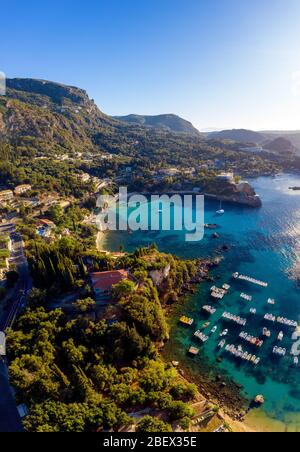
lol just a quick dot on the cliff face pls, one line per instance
(50, 116)
(242, 193)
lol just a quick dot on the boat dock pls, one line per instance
(217, 293)
(186, 321)
(239, 353)
(246, 297)
(251, 339)
(249, 279)
(234, 318)
(281, 320)
(209, 309)
(201, 336)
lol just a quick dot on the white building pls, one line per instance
(6, 195)
(20, 189)
(227, 177)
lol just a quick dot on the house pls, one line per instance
(103, 283)
(20, 189)
(226, 177)
(6, 195)
(44, 228)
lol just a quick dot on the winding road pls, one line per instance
(9, 417)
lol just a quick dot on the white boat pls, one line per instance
(280, 336)
(220, 211)
(266, 332)
(222, 343)
(296, 361)
(224, 333)
(214, 329)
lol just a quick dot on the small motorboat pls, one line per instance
(205, 325)
(222, 343)
(296, 361)
(221, 211)
(214, 329)
(224, 333)
(280, 336)
(259, 400)
(266, 332)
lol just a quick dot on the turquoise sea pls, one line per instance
(264, 244)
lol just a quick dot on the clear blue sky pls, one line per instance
(218, 63)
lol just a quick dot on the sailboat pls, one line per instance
(221, 211)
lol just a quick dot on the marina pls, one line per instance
(267, 253)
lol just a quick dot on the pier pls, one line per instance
(249, 279)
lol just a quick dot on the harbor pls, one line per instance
(264, 245)
(237, 350)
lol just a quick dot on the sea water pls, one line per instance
(264, 244)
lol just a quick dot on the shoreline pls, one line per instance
(232, 404)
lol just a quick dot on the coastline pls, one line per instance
(232, 404)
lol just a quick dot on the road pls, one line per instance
(9, 418)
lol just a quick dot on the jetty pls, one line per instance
(249, 279)
(281, 320)
(187, 321)
(279, 351)
(194, 351)
(246, 297)
(209, 309)
(234, 318)
(239, 353)
(201, 336)
(251, 339)
(218, 293)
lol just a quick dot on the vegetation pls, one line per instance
(79, 374)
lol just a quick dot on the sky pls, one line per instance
(217, 63)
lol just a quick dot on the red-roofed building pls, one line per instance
(103, 282)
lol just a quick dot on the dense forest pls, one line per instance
(78, 373)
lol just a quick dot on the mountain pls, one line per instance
(239, 135)
(50, 131)
(168, 122)
(51, 116)
(280, 145)
(293, 137)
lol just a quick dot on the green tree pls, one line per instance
(151, 424)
